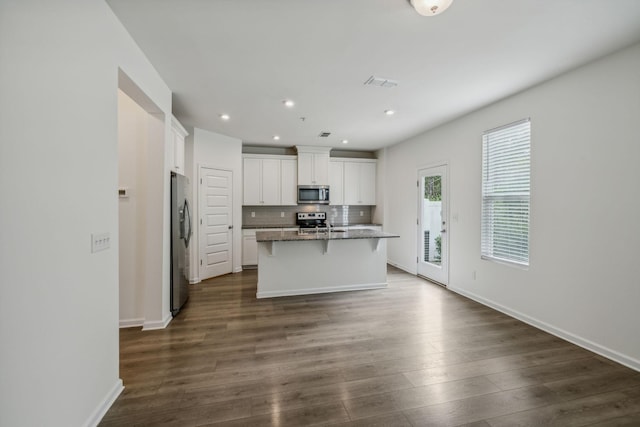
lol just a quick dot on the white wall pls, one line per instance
(144, 298)
(585, 175)
(132, 159)
(58, 180)
(378, 215)
(220, 152)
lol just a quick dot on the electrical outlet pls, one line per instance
(100, 242)
(281, 214)
(473, 275)
(253, 214)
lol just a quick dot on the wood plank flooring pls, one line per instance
(413, 354)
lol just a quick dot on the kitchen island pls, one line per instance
(294, 263)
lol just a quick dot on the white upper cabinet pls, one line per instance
(288, 182)
(336, 182)
(313, 165)
(252, 181)
(368, 183)
(269, 180)
(360, 182)
(176, 146)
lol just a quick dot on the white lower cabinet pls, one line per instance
(250, 246)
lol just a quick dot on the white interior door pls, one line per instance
(433, 236)
(216, 228)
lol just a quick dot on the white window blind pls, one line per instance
(506, 165)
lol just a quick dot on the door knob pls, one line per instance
(443, 231)
(230, 227)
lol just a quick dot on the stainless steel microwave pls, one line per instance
(313, 194)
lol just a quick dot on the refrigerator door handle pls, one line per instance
(186, 218)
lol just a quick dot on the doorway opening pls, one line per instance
(433, 241)
(141, 210)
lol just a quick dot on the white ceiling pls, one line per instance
(245, 57)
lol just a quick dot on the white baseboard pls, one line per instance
(403, 268)
(104, 406)
(237, 270)
(131, 323)
(305, 291)
(561, 333)
(194, 280)
(152, 325)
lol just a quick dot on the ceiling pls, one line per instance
(243, 58)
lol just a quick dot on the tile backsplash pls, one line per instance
(273, 215)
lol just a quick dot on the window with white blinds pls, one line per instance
(506, 166)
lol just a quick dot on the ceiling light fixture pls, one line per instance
(288, 103)
(430, 7)
(276, 137)
(224, 117)
(345, 141)
(389, 112)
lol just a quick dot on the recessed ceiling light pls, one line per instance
(288, 103)
(345, 141)
(389, 112)
(224, 117)
(276, 137)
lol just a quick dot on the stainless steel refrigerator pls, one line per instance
(180, 236)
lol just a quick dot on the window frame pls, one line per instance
(495, 189)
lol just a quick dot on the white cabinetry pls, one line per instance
(313, 165)
(176, 146)
(336, 182)
(353, 181)
(360, 182)
(250, 246)
(288, 182)
(269, 180)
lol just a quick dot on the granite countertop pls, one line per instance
(355, 225)
(291, 236)
(255, 227)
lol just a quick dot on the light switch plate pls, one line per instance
(100, 242)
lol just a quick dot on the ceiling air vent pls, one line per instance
(324, 134)
(380, 81)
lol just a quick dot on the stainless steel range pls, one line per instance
(312, 222)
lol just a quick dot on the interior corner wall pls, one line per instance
(132, 161)
(59, 173)
(379, 211)
(217, 151)
(582, 282)
(157, 223)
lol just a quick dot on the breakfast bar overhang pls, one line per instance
(293, 263)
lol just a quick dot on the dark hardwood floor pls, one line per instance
(413, 354)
